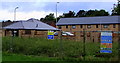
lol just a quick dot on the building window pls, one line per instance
(96, 26)
(105, 26)
(114, 26)
(59, 27)
(73, 26)
(88, 26)
(81, 26)
(66, 26)
(27, 31)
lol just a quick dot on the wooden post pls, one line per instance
(61, 46)
(84, 34)
(119, 46)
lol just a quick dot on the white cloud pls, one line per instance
(5, 15)
(58, 0)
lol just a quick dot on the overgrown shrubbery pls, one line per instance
(51, 48)
(30, 46)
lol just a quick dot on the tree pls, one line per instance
(49, 17)
(101, 13)
(70, 14)
(41, 19)
(116, 9)
(81, 13)
(90, 13)
(8, 21)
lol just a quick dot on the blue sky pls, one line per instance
(37, 9)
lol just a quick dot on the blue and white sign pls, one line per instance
(106, 42)
(50, 36)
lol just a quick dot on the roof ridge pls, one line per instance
(90, 17)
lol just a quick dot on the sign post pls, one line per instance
(50, 34)
(106, 42)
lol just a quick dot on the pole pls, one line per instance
(119, 35)
(56, 13)
(15, 13)
(100, 26)
(84, 43)
(11, 45)
(119, 45)
(12, 31)
(61, 46)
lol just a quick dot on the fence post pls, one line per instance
(119, 46)
(12, 37)
(61, 46)
(84, 42)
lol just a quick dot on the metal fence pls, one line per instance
(91, 44)
(84, 45)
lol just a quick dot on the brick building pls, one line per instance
(28, 28)
(92, 25)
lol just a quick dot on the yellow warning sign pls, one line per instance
(50, 33)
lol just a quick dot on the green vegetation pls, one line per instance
(37, 49)
(116, 9)
(21, 57)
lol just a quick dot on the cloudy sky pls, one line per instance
(40, 8)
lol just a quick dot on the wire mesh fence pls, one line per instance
(89, 45)
(73, 46)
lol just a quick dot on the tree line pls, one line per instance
(83, 13)
(70, 14)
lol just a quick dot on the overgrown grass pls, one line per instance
(65, 50)
(21, 57)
